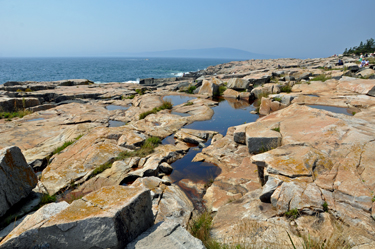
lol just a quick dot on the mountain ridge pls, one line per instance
(208, 53)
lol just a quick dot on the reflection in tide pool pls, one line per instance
(116, 107)
(114, 123)
(229, 112)
(334, 109)
(35, 119)
(178, 99)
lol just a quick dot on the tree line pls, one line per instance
(367, 47)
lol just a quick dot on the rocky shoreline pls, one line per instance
(296, 172)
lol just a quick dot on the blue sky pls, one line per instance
(294, 28)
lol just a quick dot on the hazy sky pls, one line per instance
(294, 28)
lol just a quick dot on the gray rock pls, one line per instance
(109, 218)
(304, 76)
(15, 104)
(260, 140)
(268, 189)
(289, 78)
(238, 84)
(366, 73)
(165, 168)
(17, 178)
(351, 67)
(166, 235)
(278, 73)
(209, 88)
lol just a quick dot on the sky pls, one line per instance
(285, 28)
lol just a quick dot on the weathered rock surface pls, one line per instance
(109, 218)
(238, 84)
(229, 93)
(169, 202)
(17, 178)
(261, 139)
(209, 88)
(166, 235)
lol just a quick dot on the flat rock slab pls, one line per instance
(166, 235)
(17, 178)
(292, 161)
(109, 218)
(82, 157)
(40, 133)
(238, 84)
(359, 86)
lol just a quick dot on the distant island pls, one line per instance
(212, 53)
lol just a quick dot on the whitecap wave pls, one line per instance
(180, 74)
(133, 81)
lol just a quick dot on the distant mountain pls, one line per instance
(214, 53)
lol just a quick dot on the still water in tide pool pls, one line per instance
(229, 112)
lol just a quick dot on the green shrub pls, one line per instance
(201, 226)
(191, 89)
(286, 89)
(130, 97)
(167, 104)
(146, 149)
(222, 90)
(46, 198)
(325, 206)
(62, 147)
(140, 91)
(321, 77)
(101, 168)
(292, 214)
(276, 129)
(188, 103)
(259, 98)
(66, 144)
(10, 115)
(277, 99)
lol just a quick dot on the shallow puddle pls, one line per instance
(229, 112)
(178, 99)
(181, 114)
(334, 109)
(35, 119)
(116, 107)
(312, 95)
(114, 123)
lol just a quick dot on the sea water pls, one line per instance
(99, 70)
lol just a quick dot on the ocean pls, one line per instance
(99, 70)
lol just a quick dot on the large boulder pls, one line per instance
(260, 138)
(351, 67)
(258, 79)
(366, 73)
(17, 178)
(15, 104)
(229, 93)
(238, 84)
(109, 218)
(209, 88)
(355, 85)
